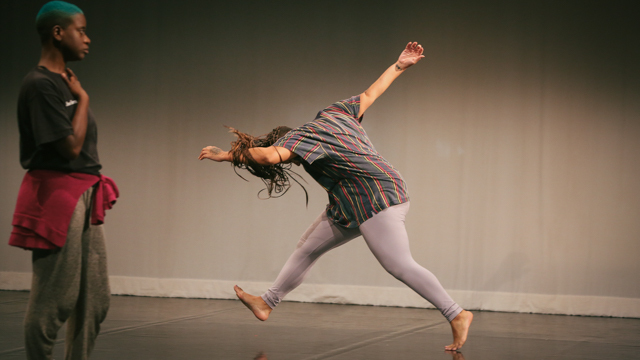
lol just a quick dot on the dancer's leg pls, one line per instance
(319, 238)
(93, 301)
(386, 236)
(63, 289)
(322, 236)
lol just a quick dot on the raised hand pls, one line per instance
(410, 56)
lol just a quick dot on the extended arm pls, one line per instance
(262, 155)
(410, 56)
(71, 146)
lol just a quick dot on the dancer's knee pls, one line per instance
(32, 327)
(399, 269)
(38, 330)
(309, 252)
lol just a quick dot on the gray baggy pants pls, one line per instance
(69, 284)
(386, 237)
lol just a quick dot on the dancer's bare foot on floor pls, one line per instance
(255, 303)
(460, 329)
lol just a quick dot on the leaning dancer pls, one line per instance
(367, 196)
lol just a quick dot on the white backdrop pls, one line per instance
(518, 135)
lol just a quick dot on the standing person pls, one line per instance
(367, 196)
(63, 196)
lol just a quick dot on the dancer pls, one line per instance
(62, 198)
(367, 196)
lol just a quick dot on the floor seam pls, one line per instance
(134, 327)
(12, 301)
(361, 344)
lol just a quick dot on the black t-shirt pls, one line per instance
(45, 110)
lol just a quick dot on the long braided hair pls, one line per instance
(277, 178)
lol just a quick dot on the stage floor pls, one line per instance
(169, 328)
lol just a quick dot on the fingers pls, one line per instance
(414, 47)
(203, 152)
(71, 75)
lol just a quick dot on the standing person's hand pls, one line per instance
(73, 83)
(410, 56)
(213, 153)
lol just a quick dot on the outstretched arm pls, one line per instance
(410, 56)
(262, 155)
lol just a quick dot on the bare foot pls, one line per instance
(255, 303)
(460, 329)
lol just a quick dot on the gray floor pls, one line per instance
(161, 328)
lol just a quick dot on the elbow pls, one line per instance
(72, 151)
(261, 159)
(67, 149)
(269, 160)
(75, 153)
(267, 156)
(71, 154)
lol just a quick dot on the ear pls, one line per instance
(56, 32)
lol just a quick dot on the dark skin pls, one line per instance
(69, 44)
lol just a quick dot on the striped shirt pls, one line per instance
(338, 154)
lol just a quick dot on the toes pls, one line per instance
(453, 347)
(239, 292)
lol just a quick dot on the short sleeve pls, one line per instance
(300, 142)
(48, 112)
(351, 106)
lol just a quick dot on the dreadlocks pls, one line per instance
(276, 177)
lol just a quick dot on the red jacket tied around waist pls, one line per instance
(46, 202)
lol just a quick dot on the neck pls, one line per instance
(52, 59)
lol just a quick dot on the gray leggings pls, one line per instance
(387, 238)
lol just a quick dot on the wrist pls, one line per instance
(226, 156)
(83, 96)
(399, 67)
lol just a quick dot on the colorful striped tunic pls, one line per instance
(338, 154)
